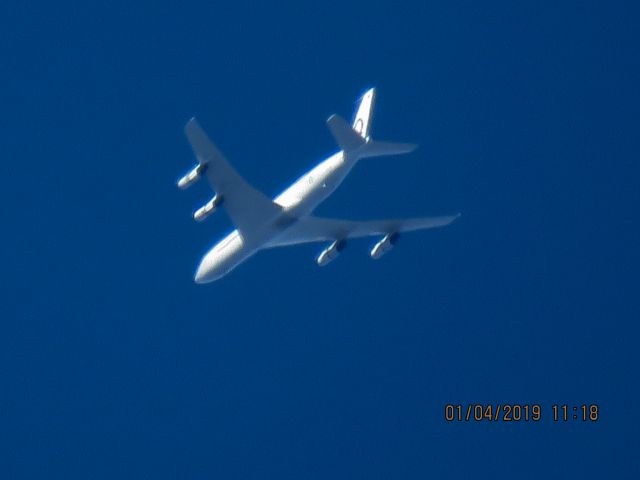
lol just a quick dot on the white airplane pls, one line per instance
(263, 223)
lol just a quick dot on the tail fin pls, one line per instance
(362, 117)
(356, 141)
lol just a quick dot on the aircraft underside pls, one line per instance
(263, 223)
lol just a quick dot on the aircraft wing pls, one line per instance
(247, 207)
(315, 229)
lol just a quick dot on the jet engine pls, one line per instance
(191, 177)
(207, 209)
(384, 245)
(330, 253)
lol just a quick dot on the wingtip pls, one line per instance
(190, 124)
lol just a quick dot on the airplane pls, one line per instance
(262, 223)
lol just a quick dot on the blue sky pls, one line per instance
(115, 364)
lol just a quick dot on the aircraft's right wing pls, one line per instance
(246, 206)
(315, 229)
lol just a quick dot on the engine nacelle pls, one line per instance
(384, 245)
(330, 253)
(191, 177)
(208, 208)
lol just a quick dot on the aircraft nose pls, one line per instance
(200, 275)
(208, 270)
(204, 271)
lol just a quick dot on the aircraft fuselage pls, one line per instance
(262, 222)
(298, 200)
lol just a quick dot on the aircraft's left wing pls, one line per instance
(315, 229)
(247, 207)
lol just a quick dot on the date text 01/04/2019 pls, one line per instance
(478, 412)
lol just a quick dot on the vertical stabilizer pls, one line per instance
(355, 141)
(362, 118)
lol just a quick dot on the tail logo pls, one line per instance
(359, 126)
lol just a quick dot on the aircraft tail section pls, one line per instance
(346, 137)
(375, 148)
(354, 140)
(364, 112)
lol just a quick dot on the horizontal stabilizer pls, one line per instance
(345, 136)
(378, 149)
(352, 142)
